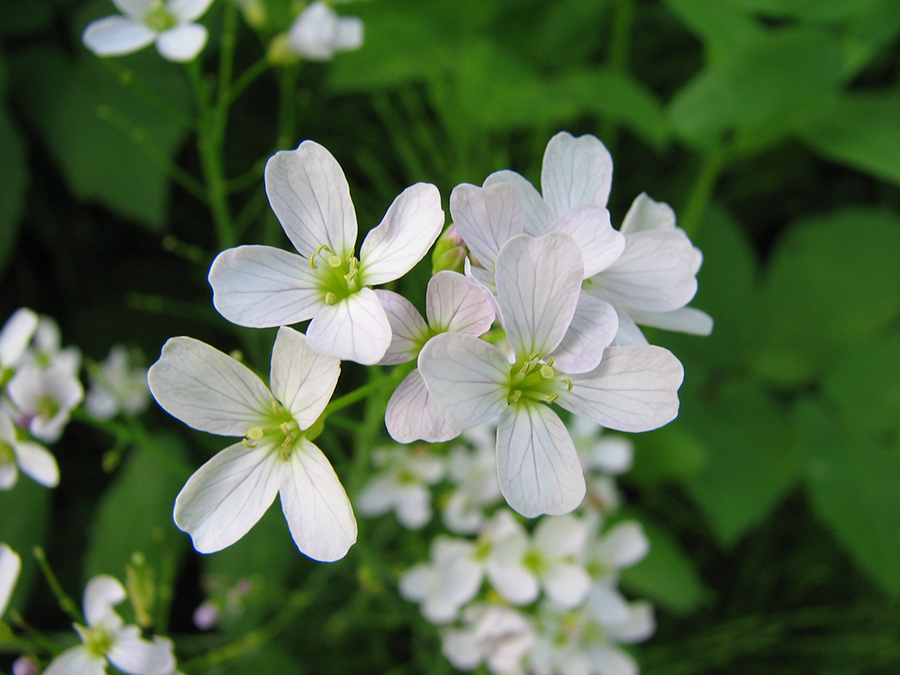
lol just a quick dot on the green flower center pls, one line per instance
(280, 431)
(47, 407)
(531, 379)
(339, 278)
(98, 640)
(7, 454)
(159, 18)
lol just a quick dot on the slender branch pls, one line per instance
(65, 602)
(128, 79)
(713, 163)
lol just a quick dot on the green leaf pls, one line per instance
(833, 281)
(814, 10)
(862, 131)
(666, 575)
(24, 516)
(763, 89)
(66, 102)
(135, 513)
(751, 459)
(852, 480)
(722, 27)
(13, 184)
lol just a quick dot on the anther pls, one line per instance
(551, 398)
(547, 372)
(569, 384)
(330, 298)
(334, 261)
(516, 395)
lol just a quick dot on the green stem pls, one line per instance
(617, 58)
(395, 376)
(128, 79)
(65, 602)
(713, 163)
(248, 77)
(226, 68)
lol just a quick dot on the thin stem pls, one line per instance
(713, 163)
(247, 78)
(65, 602)
(395, 376)
(226, 67)
(617, 58)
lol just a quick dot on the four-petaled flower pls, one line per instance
(633, 389)
(169, 23)
(213, 392)
(318, 32)
(262, 286)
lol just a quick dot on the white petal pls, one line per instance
(37, 462)
(136, 656)
(652, 274)
(353, 329)
(567, 585)
(611, 454)
(537, 463)
(101, 594)
(592, 330)
(377, 496)
(639, 625)
(182, 43)
(537, 217)
(302, 379)
(684, 320)
(188, 10)
(462, 648)
(486, 218)
(412, 414)
(348, 34)
(408, 329)
(633, 389)
(10, 566)
(228, 495)
(468, 378)
(15, 335)
(206, 389)
(313, 34)
(647, 214)
(611, 660)
(413, 506)
(538, 284)
(416, 582)
(515, 583)
(408, 229)
(135, 9)
(309, 194)
(607, 604)
(575, 171)
(263, 286)
(116, 35)
(561, 537)
(629, 334)
(316, 507)
(457, 304)
(77, 661)
(599, 243)
(623, 546)
(9, 475)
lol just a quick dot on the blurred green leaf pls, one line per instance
(861, 131)
(722, 27)
(135, 513)
(65, 100)
(13, 184)
(667, 454)
(752, 459)
(833, 280)
(762, 89)
(823, 10)
(22, 18)
(24, 517)
(666, 575)
(852, 480)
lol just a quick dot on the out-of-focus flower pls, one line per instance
(496, 635)
(10, 566)
(117, 385)
(33, 459)
(474, 475)
(14, 338)
(213, 392)
(448, 581)
(170, 24)
(262, 286)
(44, 398)
(24, 666)
(319, 32)
(106, 638)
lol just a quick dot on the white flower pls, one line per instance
(10, 566)
(106, 638)
(452, 304)
(474, 473)
(448, 581)
(261, 286)
(14, 338)
(45, 397)
(117, 385)
(493, 634)
(33, 459)
(633, 389)
(402, 485)
(212, 392)
(170, 24)
(46, 351)
(319, 32)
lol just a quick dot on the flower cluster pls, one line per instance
(542, 601)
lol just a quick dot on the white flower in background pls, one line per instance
(319, 32)
(213, 392)
(117, 385)
(496, 635)
(10, 566)
(445, 583)
(169, 24)
(633, 388)
(16, 454)
(474, 476)
(622, 546)
(45, 350)
(606, 453)
(14, 338)
(106, 638)
(453, 304)
(45, 397)
(262, 286)
(402, 484)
